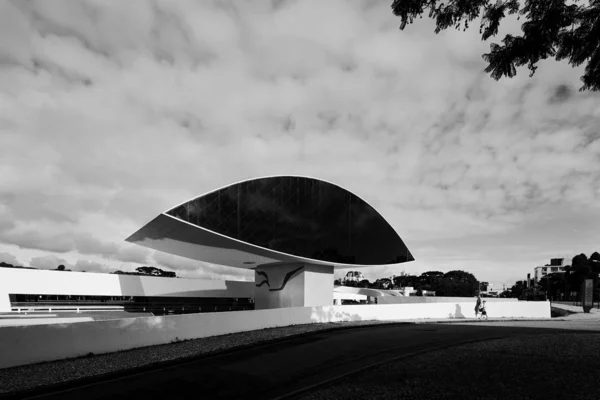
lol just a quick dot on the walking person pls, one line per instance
(483, 311)
(477, 305)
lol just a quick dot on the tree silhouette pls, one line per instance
(518, 288)
(430, 278)
(61, 268)
(551, 29)
(594, 263)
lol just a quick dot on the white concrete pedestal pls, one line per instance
(293, 285)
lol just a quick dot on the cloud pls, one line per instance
(134, 254)
(48, 262)
(8, 258)
(197, 269)
(114, 113)
(34, 239)
(91, 266)
(87, 244)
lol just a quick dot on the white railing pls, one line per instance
(67, 308)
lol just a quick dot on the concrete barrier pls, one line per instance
(20, 345)
(47, 282)
(440, 299)
(42, 321)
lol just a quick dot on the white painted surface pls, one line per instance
(440, 299)
(318, 284)
(364, 291)
(308, 286)
(30, 281)
(272, 277)
(21, 345)
(4, 300)
(42, 321)
(397, 297)
(349, 296)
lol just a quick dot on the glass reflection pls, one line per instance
(299, 216)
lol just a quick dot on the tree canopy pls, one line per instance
(148, 271)
(552, 28)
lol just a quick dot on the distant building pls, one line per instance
(555, 266)
(411, 291)
(491, 291)
(353, 276)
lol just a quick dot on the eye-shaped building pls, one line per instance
(291, 230)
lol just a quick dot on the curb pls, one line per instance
(476, 321)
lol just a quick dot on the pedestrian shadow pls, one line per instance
(457, 312)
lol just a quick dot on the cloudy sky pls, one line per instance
(112, 112)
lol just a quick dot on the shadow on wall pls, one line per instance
(457, 312)
(131, 284)
(327, 314)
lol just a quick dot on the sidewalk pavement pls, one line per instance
(577, 311)
(474, 320)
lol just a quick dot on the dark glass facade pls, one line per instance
(299, 216)
(155, 305)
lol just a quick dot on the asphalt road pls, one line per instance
(278, 369)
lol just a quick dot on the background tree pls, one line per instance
(566, 281)
(406, 280)
(456, 284)
(383, 283)
(551, 29)
(60, 268)
(153, 271)
(350, 283)
(364, 283)
(580, 269)
(594, 263)
(518, 288)
(430, 277)
(552, 284)
(8, 265)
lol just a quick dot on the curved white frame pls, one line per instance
(275, 252)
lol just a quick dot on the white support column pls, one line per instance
(4, 297)
(293, 285)
(4, 302)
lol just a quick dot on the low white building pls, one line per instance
(555, 266)
(16, 283)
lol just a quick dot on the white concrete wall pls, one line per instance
(29, 281)
(292, 294)
(318, 285)
(42, 321)
(20, 345)
(311, 285)
(4, 299)
(436, 299)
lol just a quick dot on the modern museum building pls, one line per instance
(293, 231)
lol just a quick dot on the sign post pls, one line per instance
(587, 295)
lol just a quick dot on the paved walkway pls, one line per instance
(279, 368)
(578, 313)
